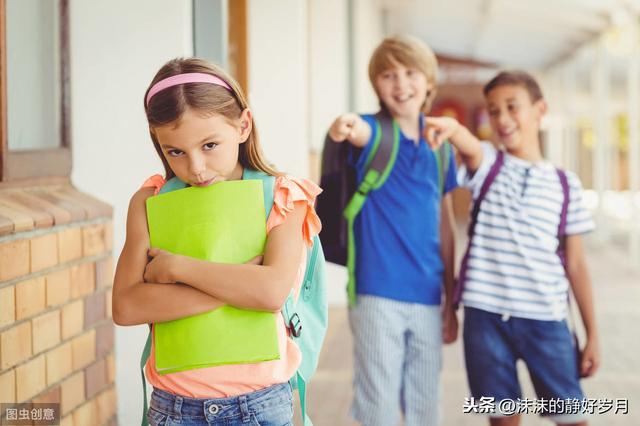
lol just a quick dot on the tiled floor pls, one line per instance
(617, 294)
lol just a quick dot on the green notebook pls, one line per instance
(222, 223)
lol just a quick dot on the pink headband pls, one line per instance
(193, 77)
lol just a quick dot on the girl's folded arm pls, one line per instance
(137, 302)
(260, 287)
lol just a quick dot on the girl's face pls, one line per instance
(203, 150)
(514, 118)
(402, 89)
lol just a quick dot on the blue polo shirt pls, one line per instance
(397, 232)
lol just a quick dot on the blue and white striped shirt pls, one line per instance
(513, 267)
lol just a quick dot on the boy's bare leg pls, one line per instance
(505, 421)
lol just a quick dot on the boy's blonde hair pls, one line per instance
(410, 52)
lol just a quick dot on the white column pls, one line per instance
(553, 122)
(328, 67)
(570, 139)
(116, 48)
(279, 81)
(633, 81)
(368, 32)
(601, 123)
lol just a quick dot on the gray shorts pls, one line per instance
(398, 359)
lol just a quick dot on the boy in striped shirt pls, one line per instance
(515, 284)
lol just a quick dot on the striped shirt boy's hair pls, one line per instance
(515, 78)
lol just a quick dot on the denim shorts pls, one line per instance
(271, 406)
(492, 345)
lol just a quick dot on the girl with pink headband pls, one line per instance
(204, 133)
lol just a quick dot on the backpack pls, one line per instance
(342, 198)
(484, 189)
(306, 318)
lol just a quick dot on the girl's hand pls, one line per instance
(344, 127)
(590, 359)
(439, 129)
(161, 268)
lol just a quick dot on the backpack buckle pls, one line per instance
(295, 325)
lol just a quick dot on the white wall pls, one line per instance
(299, 79)
(278, 81)
(368, 33)
(329, 94)
(328, 66)
(116, 48)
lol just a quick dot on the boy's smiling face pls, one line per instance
(402, 90)
(514, 117)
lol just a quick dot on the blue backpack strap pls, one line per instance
(491, 176)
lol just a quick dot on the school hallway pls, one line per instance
(75, 146)
(617, 295)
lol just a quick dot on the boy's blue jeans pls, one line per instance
(492, 345)
(271, 406)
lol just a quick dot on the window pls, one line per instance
(220, 35)
(34, 90)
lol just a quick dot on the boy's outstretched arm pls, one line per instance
(447, 249)
(582, 291)
(439, 129)
(350, 127)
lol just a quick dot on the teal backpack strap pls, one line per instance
(268, 183)
(146, 352)
(302, 394)
(288, 310)
(379, 164)
(443, 156)
(172, 184)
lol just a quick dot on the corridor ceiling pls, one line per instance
(528, 34)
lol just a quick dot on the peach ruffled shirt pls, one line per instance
(232, 380)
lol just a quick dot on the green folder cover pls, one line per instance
(222, 223)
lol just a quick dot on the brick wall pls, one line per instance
(56, 273)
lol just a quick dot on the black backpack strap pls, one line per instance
(382, 152)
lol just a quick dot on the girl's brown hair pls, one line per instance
(168, 105)
(410, 52)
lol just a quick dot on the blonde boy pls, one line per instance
(400, 316)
